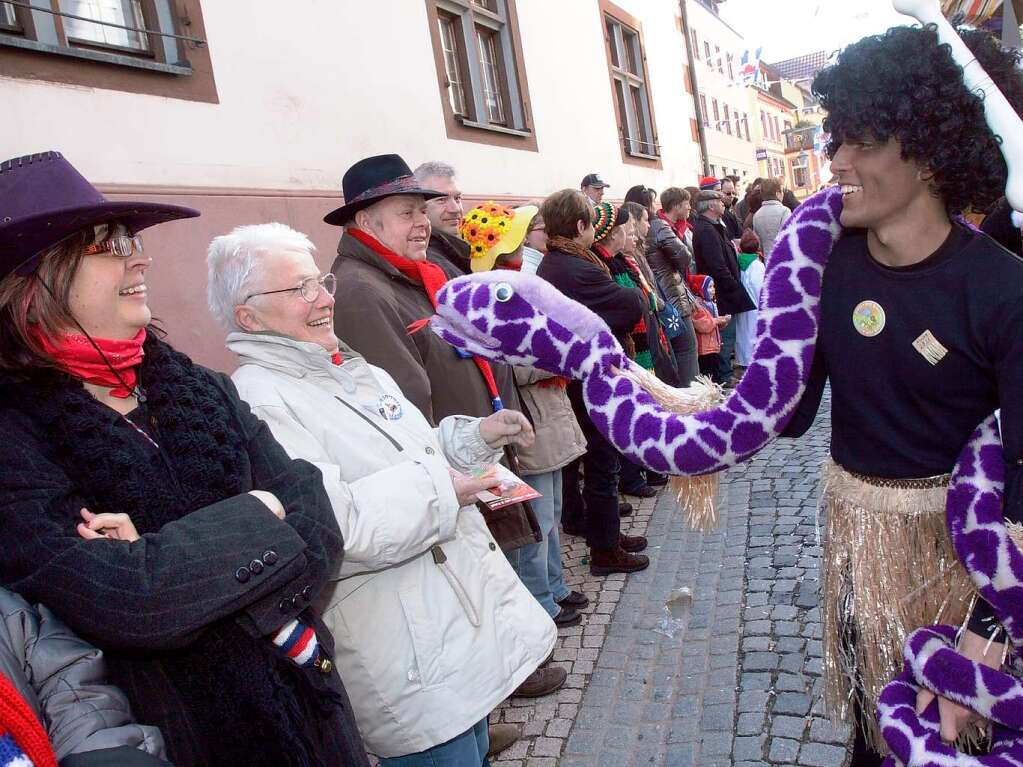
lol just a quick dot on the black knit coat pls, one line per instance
(184, 613)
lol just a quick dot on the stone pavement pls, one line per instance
(739, 684)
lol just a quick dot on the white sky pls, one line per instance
(787, 28)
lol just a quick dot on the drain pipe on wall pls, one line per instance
(694, 86)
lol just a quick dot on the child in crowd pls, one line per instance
(708, 325)
(751, 265)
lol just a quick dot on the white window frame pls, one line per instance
(638, 136)
(496, 22)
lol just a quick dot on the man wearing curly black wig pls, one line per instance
(921, 337)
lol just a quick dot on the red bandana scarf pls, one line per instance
(74, 354)
(432, 278)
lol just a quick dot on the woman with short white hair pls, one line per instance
(433, 629)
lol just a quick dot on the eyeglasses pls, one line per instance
(119, 247)
(309, 288)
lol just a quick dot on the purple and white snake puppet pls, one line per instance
(523, 320)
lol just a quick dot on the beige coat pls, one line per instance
(559, 440)
(432, 627)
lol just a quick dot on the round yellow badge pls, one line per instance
(868, 318)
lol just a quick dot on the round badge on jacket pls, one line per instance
(868, 318)
(389, 407)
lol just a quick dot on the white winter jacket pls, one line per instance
(432, 627)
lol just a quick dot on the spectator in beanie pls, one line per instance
(102, 417)
(572, 267)
(410, 526)
(559, 440)
(611, 240)
(49, 677)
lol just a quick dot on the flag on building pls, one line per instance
(749, 66)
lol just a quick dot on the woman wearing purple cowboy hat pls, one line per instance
(204, 620)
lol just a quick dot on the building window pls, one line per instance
(763, 125)
(154, 47)
(728, 121)
(714, 171)
(717, 114)
(492, 80)
(696, 46)
(706, 53)
(137, 33)
(777, 132)
(720, 65)
(801, 170)
(454, 68)
(629, 80)
(479, 68)
(8, 19)
(704, 115)
(731, 70)
(125, 13)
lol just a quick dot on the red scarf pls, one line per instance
(74, 354)
(678, 227)
(24, 727)
(432, 279)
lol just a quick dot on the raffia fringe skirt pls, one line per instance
(889, 568)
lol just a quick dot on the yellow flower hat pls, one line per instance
(492, 230)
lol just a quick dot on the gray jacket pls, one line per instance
(767, 221)
(61, 677)
(671, 260)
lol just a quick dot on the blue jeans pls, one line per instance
(539, 564)
(467, 750)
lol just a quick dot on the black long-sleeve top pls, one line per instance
(893, 413)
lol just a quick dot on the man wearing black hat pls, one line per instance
(385, 292)
(593, 186)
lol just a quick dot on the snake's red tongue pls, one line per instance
(418, 325)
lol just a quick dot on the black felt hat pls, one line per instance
(372, 179)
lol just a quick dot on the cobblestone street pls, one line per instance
(739, 684)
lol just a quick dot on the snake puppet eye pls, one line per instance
(503, 292)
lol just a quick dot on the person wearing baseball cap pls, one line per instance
(593, 186)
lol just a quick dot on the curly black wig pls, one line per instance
(905, 85)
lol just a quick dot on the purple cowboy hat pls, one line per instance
(43, 200)
(372, 179)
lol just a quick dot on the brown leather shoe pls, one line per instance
(632, 543)
(501, 736)
(566, 617)
(542, 682)
(616, 560)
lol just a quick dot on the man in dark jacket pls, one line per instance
(446, 249)
(731, 221)
(385, 284)
(716, 258)
(576, 271)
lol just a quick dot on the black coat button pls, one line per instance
(493, 546)
(270, 557)
(242, 574)
(285, 605)
(430, 451)
(256, 566)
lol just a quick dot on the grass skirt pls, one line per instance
(888, 569)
